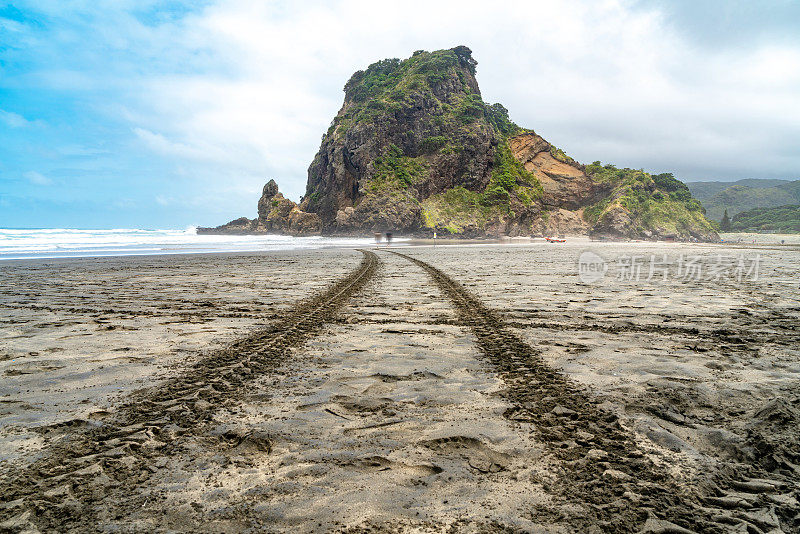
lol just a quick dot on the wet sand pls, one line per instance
(76, 333)
(483, 388)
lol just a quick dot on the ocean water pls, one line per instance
(63, 243)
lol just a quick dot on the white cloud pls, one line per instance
(80, 151)
(162, 145)
(124, 203)
(604, 80)
(37, 178)
(240, 91)
(14, 120)
(11, 25)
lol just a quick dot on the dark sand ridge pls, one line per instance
(353, 431)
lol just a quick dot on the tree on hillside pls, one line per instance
(725, 224)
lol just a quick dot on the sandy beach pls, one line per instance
(482, 387)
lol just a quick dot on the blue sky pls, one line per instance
(164, 114)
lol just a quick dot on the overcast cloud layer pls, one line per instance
(164, 114)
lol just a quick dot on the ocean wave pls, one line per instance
(67, 242)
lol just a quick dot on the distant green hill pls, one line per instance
(705, 190)
(792, 188)
(782, 219)
(744, 195)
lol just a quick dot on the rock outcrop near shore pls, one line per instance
(415, 149)
(276, 215)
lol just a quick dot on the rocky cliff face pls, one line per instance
(407, 130)
(414, 149)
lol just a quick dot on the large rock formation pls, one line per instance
(407, 130)
(414, 149)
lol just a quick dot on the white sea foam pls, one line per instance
(62, 242)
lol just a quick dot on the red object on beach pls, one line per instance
(554, 240)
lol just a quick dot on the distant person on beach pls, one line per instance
(378, 237)
(388, 238)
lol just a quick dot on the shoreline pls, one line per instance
(404, 241)
(23, 245)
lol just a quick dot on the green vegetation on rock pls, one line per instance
(656, 203)
(391, 86)
(456, 210)
(509, 177)
(394, 170)
(497, 115)
(470, 108)
(433, 144)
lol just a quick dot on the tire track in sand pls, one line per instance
(608, 482)
(91, 469)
